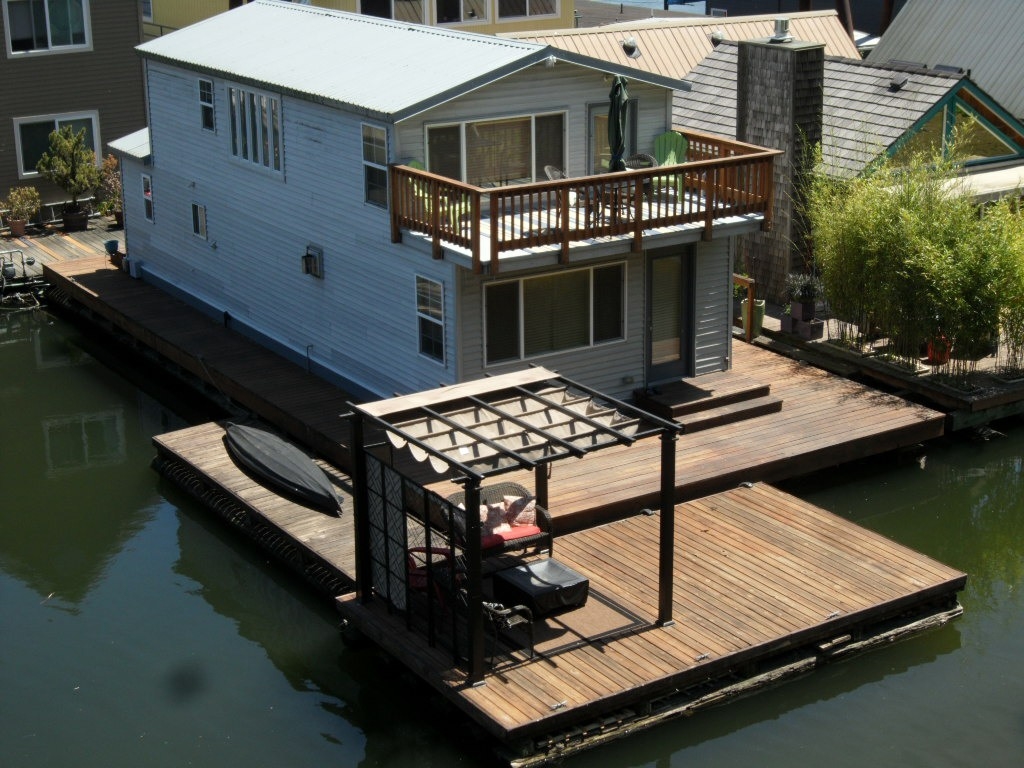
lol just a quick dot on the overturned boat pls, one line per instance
(279, 465)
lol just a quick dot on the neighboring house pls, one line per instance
(673, 47)
(68, 63)
(281, 194)
(866, 111)
(482, 16)
(982, 39)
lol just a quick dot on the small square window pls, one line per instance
(199, 220)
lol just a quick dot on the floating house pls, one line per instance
(442, 215)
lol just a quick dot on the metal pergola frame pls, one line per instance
(598, 421)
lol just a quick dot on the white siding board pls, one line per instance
(712, 294)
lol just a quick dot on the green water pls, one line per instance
(135, 631)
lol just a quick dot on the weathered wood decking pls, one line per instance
(765, 587)
(824, 421)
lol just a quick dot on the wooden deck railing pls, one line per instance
(721, 178)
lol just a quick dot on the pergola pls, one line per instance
(476, 430)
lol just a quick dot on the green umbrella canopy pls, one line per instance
(617, 101)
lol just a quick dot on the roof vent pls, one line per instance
(951, 68)
(782, 34)
(630, 48)
(898, 81)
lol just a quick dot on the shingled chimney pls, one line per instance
(779, 105)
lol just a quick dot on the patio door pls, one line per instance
(599, 154)
(669, 316)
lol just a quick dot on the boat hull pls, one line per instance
(279, 465)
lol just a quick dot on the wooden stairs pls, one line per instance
(710, 401)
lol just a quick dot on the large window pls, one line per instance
(399, 10)
(430, 316)
(553, 313)
(508, 9)
(206, 114)
(449, 11)
(256, 128)
(32, 135)
(490, 153)
(35, 26)
(375, 165)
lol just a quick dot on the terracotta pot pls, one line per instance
(18, 227)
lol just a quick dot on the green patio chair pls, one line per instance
(670, 149)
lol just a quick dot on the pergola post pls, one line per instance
(474, 590)
(360, 511)
(540, 484)
(667, 523)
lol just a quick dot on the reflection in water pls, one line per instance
(137, 630)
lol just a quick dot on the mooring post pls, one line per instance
(667, 524)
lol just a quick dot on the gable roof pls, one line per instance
(862, 115)
(985, 39)
(377, 67)
(673, 47)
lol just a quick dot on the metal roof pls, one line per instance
(515, 421)
(986, 39)
(135, 144)
(673, 47)
(862, 114)
(381, 68)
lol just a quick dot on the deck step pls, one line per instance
(679, 398)
(730, 413)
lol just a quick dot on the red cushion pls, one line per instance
(516, 532)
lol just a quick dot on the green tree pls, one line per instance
(71, 165)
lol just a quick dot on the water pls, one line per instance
(135, 631)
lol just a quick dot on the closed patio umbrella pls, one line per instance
(617, 110)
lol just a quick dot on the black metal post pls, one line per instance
(360, 511)
(540, 484)
(474, 588)
(667, 525)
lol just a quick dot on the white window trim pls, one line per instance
(233, 124)
(528, 15)
(211, 105)
(462, 125)
(199, 224)
(442, 323)
(522, 310)
(144, 179)
(485, 18)
(367, 163)
(84, 47)
(91, 115)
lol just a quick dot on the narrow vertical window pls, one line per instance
(256, 134)
(206, 105)
(375, 165)
(430, 315)
(199, 220)
(147, 196)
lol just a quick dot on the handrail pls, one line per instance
(720, 178)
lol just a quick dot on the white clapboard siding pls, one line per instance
(712, 290)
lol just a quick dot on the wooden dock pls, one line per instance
(766, 587)
(824, 420)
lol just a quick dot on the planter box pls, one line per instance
(787, 323)
(810, 329)
(802, 310)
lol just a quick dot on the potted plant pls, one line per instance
(22, 204)
(803, 290)
(112, 203)
(71, 165)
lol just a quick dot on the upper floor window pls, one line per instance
(490, 153)
(206, 105)
(554, 313)
(375, 165)
(147, 196)
(147, 10)
(430, 313)
(32, 136)
(46, 25)
(450, 11)
(256, 127)
(399, 10)
(508, 9)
